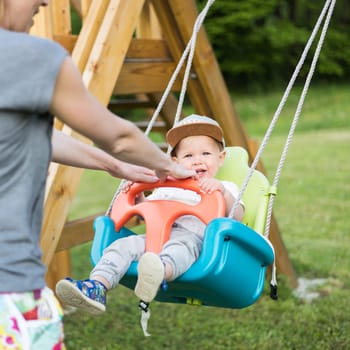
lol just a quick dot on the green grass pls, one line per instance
(311, 209)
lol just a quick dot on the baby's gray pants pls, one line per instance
(181, 251)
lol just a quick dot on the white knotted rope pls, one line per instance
(327, 11)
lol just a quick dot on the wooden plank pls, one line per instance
(149, 48)
(62, 182)
(111, 45)
(148, 25)
(43, 26)
(147, 68)
(159, 125)
(100, 74)
(147, 77)
(77, 232)
(208, 74)
(67, 41)
(85, 7)
(81, 231)
(170, 32)
(155, 30)
(59, 198)
(61, 18)
(59, 268)
(88, 33)
(118, 104)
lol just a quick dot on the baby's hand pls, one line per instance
(126, 186)
(210, 185)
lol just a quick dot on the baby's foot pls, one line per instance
(88, 296)
(150, 276)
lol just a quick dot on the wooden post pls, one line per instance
(43, 23)
(100, 74)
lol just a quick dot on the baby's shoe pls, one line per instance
(150, 276)
(88, 296)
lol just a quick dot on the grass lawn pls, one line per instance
(311, 209)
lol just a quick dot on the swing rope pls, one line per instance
(189, 51)
(327, 10)
(329, 5)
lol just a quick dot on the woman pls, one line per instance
(38, 80)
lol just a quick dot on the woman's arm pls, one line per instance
(70, 151)
(73, 104)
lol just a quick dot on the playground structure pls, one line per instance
(131, 48)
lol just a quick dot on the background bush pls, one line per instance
(258, 43)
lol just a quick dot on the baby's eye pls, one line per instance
(188, 155)
(206, 153)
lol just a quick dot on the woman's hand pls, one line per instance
(177, 171)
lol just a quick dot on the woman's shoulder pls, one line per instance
(25, 43)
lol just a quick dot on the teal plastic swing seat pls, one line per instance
(230, 271)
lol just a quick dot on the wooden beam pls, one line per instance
(148, 49)
(77, 232)
(128, 103)
(145, 77)
(111, 45)
(81, 231)
(148, 25)
(62, 182)
(67, 41)
(85, 7)
(147, 68)
(171, 34)
(43, 25)
(59, 198)
(61, 18)
(59, 268)
(88, 33)
(100, 74)
(209, 75)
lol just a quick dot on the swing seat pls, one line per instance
(230, 271)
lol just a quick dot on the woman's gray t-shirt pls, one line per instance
(28, 71)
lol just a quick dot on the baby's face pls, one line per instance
(201, 154)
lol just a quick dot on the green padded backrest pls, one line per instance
(255, 196)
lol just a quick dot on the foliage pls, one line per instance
(258, 43)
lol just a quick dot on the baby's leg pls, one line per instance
(180, 252)
(116, 260)
(90, 296)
